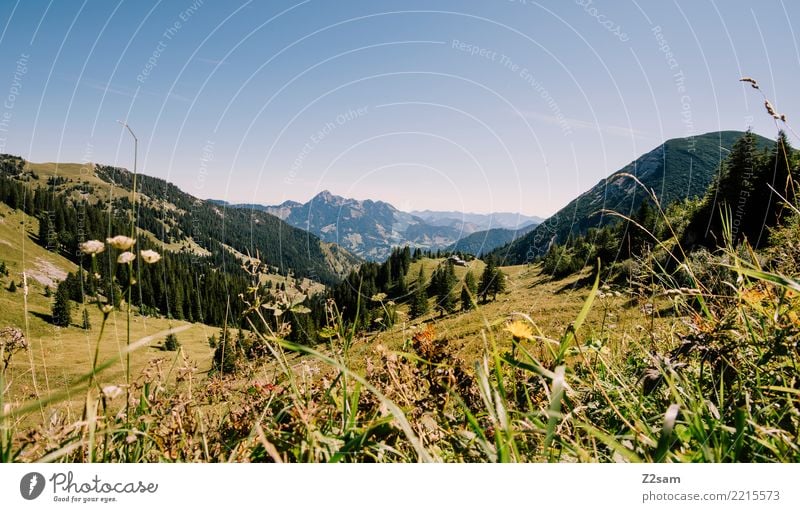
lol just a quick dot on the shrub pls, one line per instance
(171, 343)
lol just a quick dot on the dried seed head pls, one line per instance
(150, 256)
(92, 247)
(121, 242)
(126, 257)
(750, 81)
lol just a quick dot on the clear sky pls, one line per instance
(472, 105)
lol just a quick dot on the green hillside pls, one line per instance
(677, 169)
(486, 241)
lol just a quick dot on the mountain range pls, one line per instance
(677, 169)
(370, 229)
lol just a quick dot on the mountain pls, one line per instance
(677, 169)
(370, 229)
(367, 228)
(473, 222)
(482, 242)
(180, 222)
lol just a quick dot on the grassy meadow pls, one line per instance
(697, 362)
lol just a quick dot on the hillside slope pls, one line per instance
(482, 242)
(677, 169)
(183, 223)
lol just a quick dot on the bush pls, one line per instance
(171, 343)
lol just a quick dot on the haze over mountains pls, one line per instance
(370, 228)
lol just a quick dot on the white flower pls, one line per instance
(92, 247)
(112, 392)
(121, 242)
(126, 257)
(150, 256)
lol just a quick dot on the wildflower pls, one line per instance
(126, 257)
(150, 256)
(92, 247)
(112, 392)
(107, 308)
(121, 242)
(520, 330)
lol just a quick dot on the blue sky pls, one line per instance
(473, 105)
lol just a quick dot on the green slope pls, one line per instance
(482, 242)
(677, 169)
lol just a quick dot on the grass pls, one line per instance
(553, 370)
(59, 356)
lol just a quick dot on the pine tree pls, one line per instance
(419, 304)
(226, 356)
(493, 281)
(85, 323)
(766, 204)
(12, 287)
(733, 193)
(401, 289)
(62, 316)
(485, 286)
(468, 291)
(498, 283)
(446, 280)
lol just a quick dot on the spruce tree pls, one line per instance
(445, 301)
(85, 323)
(485, 286)
(767, 205)
(62, 316)
(401, 288)
(733, 193)
(468, 291)
(419, 304)
(498, 283)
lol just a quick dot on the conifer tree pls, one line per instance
(419, 304)
(446, 279)
(62, 316)
(468, 291)
(766, 205)
(485, 286)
